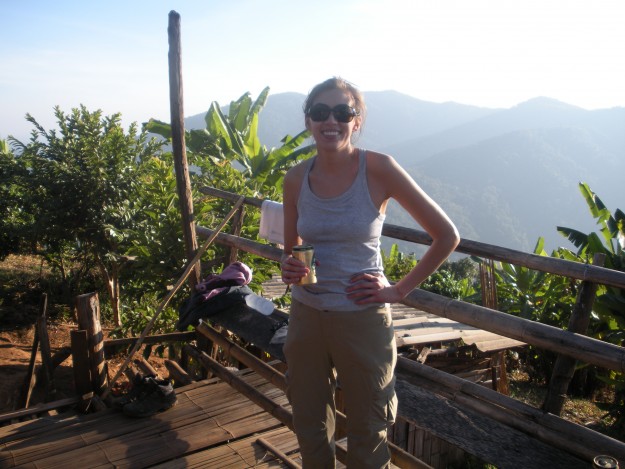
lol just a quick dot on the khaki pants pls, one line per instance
(360, 345)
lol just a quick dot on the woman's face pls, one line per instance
(331, 134)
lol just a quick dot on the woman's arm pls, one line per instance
(292, 269)
(389, 180)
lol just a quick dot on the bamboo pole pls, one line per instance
(264, 250)
(552, 265)
(583, 348)
(183, 182)
(177, 373)
(572, 438)
(280, 454)
(269, 406)
(577, 270)
(38, 409)
(110, 345)
(172, 292)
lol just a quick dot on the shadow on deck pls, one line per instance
(210, 426)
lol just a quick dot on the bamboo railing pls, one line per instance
(583, 348)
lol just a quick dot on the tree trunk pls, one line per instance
(564, 367)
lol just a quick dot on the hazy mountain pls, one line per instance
(505, 176)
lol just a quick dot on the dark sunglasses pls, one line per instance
(341, 112)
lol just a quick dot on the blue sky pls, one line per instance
(494, 53)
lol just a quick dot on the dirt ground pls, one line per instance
(21, 278)
(15, 354)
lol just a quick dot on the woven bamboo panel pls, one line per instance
(204, 417)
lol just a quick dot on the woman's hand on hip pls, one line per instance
(371, 288)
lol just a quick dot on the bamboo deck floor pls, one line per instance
(211, 426)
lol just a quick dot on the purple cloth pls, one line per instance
(236, 273)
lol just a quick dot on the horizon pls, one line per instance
(113, 57)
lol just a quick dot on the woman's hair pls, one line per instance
(337, 83)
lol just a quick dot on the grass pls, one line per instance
(590, 413)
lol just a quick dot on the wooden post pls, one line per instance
(46, 357)
(81, 366)
(564, 367)
(183, 183)
(31, 377)
(88, 310)
(237, 225)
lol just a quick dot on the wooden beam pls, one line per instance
(288, 462)
(177, 373)
(244, 388)
(577, 270)
(183, 182)
(111, 345)
(552, 430)
(88, 310)
(553, 265)
(583, 348)
(38, 409)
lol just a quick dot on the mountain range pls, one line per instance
(504, 176)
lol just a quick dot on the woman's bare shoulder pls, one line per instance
(380, 161)
(295, 174)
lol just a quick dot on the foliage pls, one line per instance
(234, 138)
(608, 318)
(12, 219)
(397, 264)
(78, 185)
(91, 194)
(228, 155)
(536, 296)
(452, 279)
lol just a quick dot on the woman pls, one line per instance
(337, 201)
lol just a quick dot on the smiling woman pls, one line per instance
(341, 324)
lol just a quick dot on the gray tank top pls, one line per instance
(345, 233)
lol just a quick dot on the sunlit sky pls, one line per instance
(112, 55)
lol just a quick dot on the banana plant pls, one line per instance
(610, 241)
(609, 306)
(234, 137)
(534, 295)
(611, 237)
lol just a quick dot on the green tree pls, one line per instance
(79, 184)
(12, 216)
(609, 307)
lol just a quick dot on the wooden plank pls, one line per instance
(407, 322)
(242, 453)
